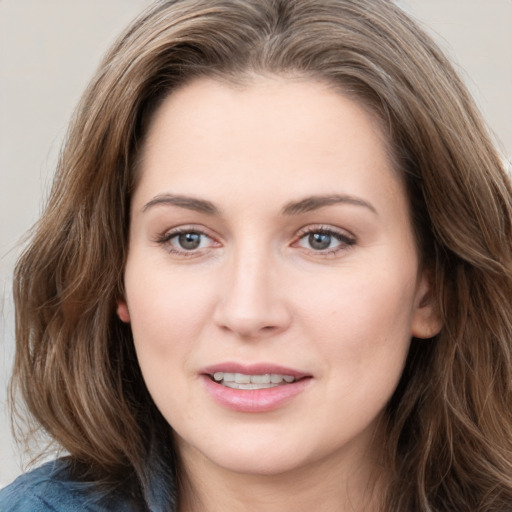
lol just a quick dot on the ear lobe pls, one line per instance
(426, 321)
(122, 312)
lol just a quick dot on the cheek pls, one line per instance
(364, 335)
(362, 327)
(167, 309)
(167, 315)
(354, 303)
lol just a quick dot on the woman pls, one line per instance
(274, 273)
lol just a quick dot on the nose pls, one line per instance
(252, 301)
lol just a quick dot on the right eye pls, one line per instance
(186, 242)
(189, 241)
(324, 240)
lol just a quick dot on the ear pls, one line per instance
(426, 321)
(122, 312)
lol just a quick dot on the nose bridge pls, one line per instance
(250, 302)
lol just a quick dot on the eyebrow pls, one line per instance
(292, 208)
(311, 203)
(189, 203)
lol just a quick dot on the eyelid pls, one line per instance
(166, 236)
(325, 228)
(346, 238)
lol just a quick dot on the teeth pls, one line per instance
(236, 385)
(243, 381)
(260, 379)
(240, 378)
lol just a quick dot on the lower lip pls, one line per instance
(254, 400)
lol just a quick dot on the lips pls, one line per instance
(245, 381)
(255, 387)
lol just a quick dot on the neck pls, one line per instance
(342, 488)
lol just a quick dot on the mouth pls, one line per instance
(254, 388)
(252, 381)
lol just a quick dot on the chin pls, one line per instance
(268, 463)
(249, 456)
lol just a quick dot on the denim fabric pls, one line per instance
(49, 489)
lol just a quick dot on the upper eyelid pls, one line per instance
(165, 240)
(169, 233)
(325, 228)
(345, 238)
(175, 234)
(187, 228)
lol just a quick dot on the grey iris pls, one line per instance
(319, 241)
(189, 241)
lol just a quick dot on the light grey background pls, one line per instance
(48, 51)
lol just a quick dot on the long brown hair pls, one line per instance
(449, 444)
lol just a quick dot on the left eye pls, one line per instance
(189, 241)
(322, 241)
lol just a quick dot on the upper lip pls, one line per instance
(253, 369)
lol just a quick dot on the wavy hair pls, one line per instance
(449, 423)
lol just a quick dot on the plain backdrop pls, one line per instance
(48, 51)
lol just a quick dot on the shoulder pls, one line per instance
(49, 488)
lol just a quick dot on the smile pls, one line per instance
(245, 381)
(254, 388)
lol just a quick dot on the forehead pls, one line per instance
(275, 135)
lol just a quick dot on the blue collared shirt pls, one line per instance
(49, 488)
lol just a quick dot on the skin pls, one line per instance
(257, 290)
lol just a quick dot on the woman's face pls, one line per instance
(272, 280)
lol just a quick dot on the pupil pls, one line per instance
(319, 241)
(189, 241)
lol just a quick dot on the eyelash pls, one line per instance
(166, 238)
(345, 240)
